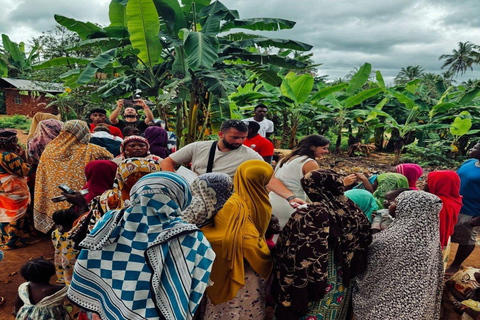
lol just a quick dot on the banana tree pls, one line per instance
(167, 49)
(14, 61)
(340, 99)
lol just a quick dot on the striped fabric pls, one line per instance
(144, 262)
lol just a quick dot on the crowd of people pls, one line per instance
(134, 239)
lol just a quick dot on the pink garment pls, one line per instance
(412, 172)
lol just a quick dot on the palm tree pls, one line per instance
(462, 58)
(408, 74)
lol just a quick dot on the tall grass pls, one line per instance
(17, 122)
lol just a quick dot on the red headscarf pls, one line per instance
(446, 186)
(100, 175)
(412, 172)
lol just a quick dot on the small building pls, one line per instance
(27, 97)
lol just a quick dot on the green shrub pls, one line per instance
(437, 154)
(17, 122)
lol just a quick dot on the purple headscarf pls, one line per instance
(157, 138)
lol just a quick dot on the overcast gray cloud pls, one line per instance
(390, 34)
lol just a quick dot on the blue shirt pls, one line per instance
(470, 187)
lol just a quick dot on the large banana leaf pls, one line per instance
(470, 95)
(359, 79)
(297, 88)
(144, 26)
(100, 62)
(269, 59)
(322, 93)
(277, 43)
(461, 124)
(180, 63)
(264, 74)
(3, 69)
(259, 24)
(17, 55)
(239, 36)
(104, 43)
(61, 61)
(361, 96)
(117, 14)
(380, 81)
(83, 29)
(211, 16)
(409, 103)
(201, 50)
(171, 14)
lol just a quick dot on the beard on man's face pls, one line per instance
(231, 146)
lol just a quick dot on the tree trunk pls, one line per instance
(286, 130)
(339, 138)
(293, 134)
(379, 138)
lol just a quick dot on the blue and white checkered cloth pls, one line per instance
(144, 262)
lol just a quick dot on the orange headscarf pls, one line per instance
(238, 232)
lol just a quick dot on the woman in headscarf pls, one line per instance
(320, 249)
(14, 193)
(157, 138)
(243, 262)
(46, 131)
(128, 173)
(39, 116)
(210, 191)
(404, 276)
(364, 200)
(144, 262)
(386, 182)
(412, 172)
(446, 186)
(63, 162)
(135, 147)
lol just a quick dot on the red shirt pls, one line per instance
(262, 145)
(114, 131)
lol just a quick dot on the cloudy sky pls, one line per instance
(390, 34)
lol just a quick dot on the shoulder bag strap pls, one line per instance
(211, 157)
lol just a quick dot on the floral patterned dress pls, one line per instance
(65, 256)
(334, 304)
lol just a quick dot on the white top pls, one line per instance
(266, 126)
(290, 174)
(225, 162)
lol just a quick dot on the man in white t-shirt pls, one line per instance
(266, 126)
(229, 154)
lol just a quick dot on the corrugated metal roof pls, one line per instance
(28, 85)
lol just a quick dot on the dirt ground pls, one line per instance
(41, 245)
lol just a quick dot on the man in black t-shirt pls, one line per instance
(131, 116)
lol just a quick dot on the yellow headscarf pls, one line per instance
(238, 232)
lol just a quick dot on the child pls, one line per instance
(272, 230)
(384, 217)
(65, 253)
(462, 292)
(37, 298)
